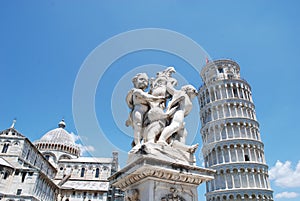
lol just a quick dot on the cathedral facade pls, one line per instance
(51, 168)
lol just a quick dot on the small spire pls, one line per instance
(13, 123)
(62, 124)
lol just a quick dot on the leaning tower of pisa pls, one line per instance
(230, 133)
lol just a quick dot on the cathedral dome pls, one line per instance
(59, 135)
(59, 140)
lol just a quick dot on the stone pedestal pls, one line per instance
(150, 177)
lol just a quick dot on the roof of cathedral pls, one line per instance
(11, 131)
(58, 135)
(88, 160)
(5, 163)
(86, 185)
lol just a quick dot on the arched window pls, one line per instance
(82, 172)
(5, 175)
(5, 148)
(28, 154)
(23, 176)
(235, 92)
(97, 173)
(64, 157)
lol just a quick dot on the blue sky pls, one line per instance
(45, 43)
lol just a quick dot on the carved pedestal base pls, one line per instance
(152, 179)
(165, 153)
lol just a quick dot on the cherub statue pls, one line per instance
(182, 101)
(156, 117)
(139, 102)
(151, 119)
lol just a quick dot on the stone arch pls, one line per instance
(238, 197)
(219, 155)
(231, 197)
(47, 155)
(64, 156)
(213, 156)
(233, 157)
(212, 93)
(226, 153)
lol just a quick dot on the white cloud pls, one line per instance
(83, 149)
(74, 136)
(86, 149)
(286, 195)
(284, 175)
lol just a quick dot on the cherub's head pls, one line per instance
(140, 81)
(190, 90)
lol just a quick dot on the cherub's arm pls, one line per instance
(170, 88)
(129, 100)
(175, 102)
(147, 96)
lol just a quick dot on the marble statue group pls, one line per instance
(157, 115)
(160, 165)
